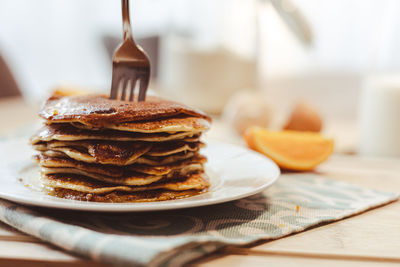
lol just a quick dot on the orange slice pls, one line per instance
(292, 150)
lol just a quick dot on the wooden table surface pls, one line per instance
(368, 239)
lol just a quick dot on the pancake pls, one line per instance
(167, 125)
(66, 132)
(114, 171)
(52, 153)
(195, 181)
(117, 153)
(127, 176)
(152, 161)
(99, 110)
(155, 161)
(85, 157)
(166, 168)
(60, 162)
(116, 197)
(131, 179)
(105, 152)
(165, 149)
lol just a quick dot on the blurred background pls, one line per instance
(242, 60)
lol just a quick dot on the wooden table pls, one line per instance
(368, 239)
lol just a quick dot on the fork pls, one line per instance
(131, 65)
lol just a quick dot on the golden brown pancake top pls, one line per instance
(98, 110)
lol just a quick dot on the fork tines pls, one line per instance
(126, 78)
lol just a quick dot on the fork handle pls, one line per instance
(126, 23)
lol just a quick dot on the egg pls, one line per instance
(245, 109)
(304, 118)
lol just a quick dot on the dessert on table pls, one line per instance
(92, 148)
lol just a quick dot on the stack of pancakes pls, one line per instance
(96, 149)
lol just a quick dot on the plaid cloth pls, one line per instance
(172, 238)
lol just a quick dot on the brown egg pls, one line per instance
(246, 109)
(304, 118)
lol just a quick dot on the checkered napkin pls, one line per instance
(172, 238)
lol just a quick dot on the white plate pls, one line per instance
(235, 172)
